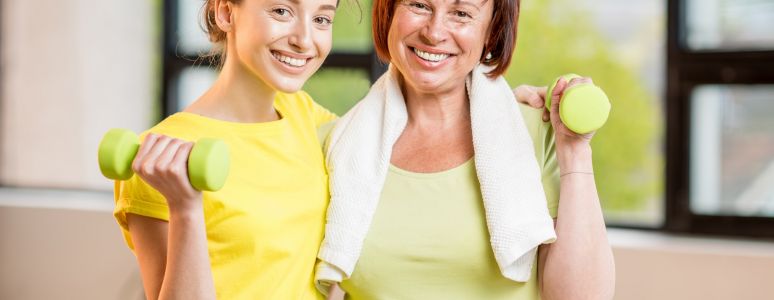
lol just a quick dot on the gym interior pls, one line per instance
(685, 164)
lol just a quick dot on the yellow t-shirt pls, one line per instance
(265, 225)
(429, 240)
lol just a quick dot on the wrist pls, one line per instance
(575, 159)
(185, 207)
(185, 216)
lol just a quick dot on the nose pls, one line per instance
(434, 31)
(301, 36)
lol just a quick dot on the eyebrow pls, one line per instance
(322, 7)
(466, 2)
(327, 7)
(463, 2)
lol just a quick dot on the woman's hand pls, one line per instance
(573, 150)
(335, 292)
(162, 162)
(534, 96)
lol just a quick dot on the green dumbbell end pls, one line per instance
(567, 78)
(208, 164)
(583, 108)
(116, 153)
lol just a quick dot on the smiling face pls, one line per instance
(436, 43)
(282, 42)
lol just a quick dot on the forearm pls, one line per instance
(579, 265)
(188, 274)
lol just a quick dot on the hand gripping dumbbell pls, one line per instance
(208, 163)
(583, 107)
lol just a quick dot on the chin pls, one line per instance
(427, 82)
(288, 85)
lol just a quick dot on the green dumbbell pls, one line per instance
(583, 108)
(208, 162)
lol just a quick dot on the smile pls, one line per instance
(290, 61)
(432, 57)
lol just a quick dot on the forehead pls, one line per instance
(479, 4)
(467, 2)
(311, 3)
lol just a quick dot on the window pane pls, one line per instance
(352, 27)
(338, 89)
(192, 39)
(192, 83)
(732, 150)
(729, 25)
(621, 45)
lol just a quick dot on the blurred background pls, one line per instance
(685, 165)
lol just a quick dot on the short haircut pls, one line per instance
(501, 41)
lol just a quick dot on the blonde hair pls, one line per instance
(216, 35)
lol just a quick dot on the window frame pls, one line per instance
(687, 69)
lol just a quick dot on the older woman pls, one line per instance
(443, 188)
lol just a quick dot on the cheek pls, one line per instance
(324, 42)
(472, 41)
(392, 42)
(399, 31)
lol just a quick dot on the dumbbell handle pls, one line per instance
(208, 162)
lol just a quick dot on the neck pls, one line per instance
(237, 96)
(436, 110)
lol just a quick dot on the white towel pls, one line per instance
(358, 158)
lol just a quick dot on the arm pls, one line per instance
(335, 293)
(173, 258)
(579, 265)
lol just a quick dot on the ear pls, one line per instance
(224, 17)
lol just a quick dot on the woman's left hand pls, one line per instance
(563, 134)
(573, 150)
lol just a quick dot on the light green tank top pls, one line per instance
(428, 238)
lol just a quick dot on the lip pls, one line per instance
(293, 55)
(429, 64)
(431, 50)
(288, 68)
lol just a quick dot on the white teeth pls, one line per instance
(430, 56)
(296, 62)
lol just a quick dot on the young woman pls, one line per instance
(258, 236)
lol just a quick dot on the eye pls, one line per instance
(323, 20)
(419, 5)
(461, 14)
(281, 11)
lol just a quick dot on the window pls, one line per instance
(719, 25)
(720, 95)
(732, 150)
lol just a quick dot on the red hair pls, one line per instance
(500, 43)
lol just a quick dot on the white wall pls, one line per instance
(70, 71)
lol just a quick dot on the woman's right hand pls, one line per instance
(162, 162)
(534, 96)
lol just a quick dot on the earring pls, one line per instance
(489, 56)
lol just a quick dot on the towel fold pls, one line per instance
(358, 157)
